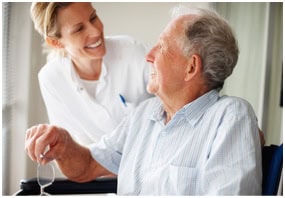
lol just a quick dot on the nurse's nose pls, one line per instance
(94, 29)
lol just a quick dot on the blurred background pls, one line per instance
(257, 77)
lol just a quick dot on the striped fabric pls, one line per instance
(210, 147)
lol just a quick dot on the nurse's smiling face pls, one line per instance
(81, 31)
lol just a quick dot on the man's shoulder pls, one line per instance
(233, 104)
(233, 100)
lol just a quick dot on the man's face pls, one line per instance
(167, 62)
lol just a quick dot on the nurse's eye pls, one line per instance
(78, 29)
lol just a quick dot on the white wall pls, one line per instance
(26, 59)
(143, 21)
(257, 76)
(273, 113)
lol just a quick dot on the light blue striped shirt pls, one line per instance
(210, 147)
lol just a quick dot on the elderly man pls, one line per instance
(188, 140)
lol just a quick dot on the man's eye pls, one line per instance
(93, 18)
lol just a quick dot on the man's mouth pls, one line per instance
(152, 71)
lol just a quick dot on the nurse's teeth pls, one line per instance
(95, 44)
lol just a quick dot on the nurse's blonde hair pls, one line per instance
(44, 16)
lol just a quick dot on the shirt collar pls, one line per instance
(158, 111)
(197, 108)
(76, 79)
(192, 111)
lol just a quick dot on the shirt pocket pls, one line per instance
(183, 180)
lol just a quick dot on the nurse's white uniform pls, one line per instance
(90, 109)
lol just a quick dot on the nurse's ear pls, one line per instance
(53, 42)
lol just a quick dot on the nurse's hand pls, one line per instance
(45, 143)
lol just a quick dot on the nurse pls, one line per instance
(94, 81)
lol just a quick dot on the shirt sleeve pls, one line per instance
(57, 112)
(108, 151)
(234, 160)
(51, 100)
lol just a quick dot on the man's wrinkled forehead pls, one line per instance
(178, 23)
(177, 26)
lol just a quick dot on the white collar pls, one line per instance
(76, 79)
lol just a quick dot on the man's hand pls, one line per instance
(74, 160)
(41, 137)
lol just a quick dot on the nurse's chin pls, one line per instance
(96, 53)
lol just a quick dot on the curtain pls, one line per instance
(8, 99)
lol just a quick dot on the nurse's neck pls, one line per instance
(88, 70)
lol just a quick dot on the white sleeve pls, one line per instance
(54, 105)
(51, 99)
(108, 151)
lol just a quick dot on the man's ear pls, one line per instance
(53, 42)
(194, 67)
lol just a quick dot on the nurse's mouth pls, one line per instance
(94, 45)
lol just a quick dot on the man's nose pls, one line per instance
(150, 55)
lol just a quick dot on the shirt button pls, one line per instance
(79, 89)
(163, 134)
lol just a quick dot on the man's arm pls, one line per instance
(234, 163)
(74, 160)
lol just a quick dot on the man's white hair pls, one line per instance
(180, 10)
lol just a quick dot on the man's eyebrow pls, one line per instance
(163, 43)
(94, 13)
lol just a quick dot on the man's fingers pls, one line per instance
(36, 141)
(45, 143)
(29, 143)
